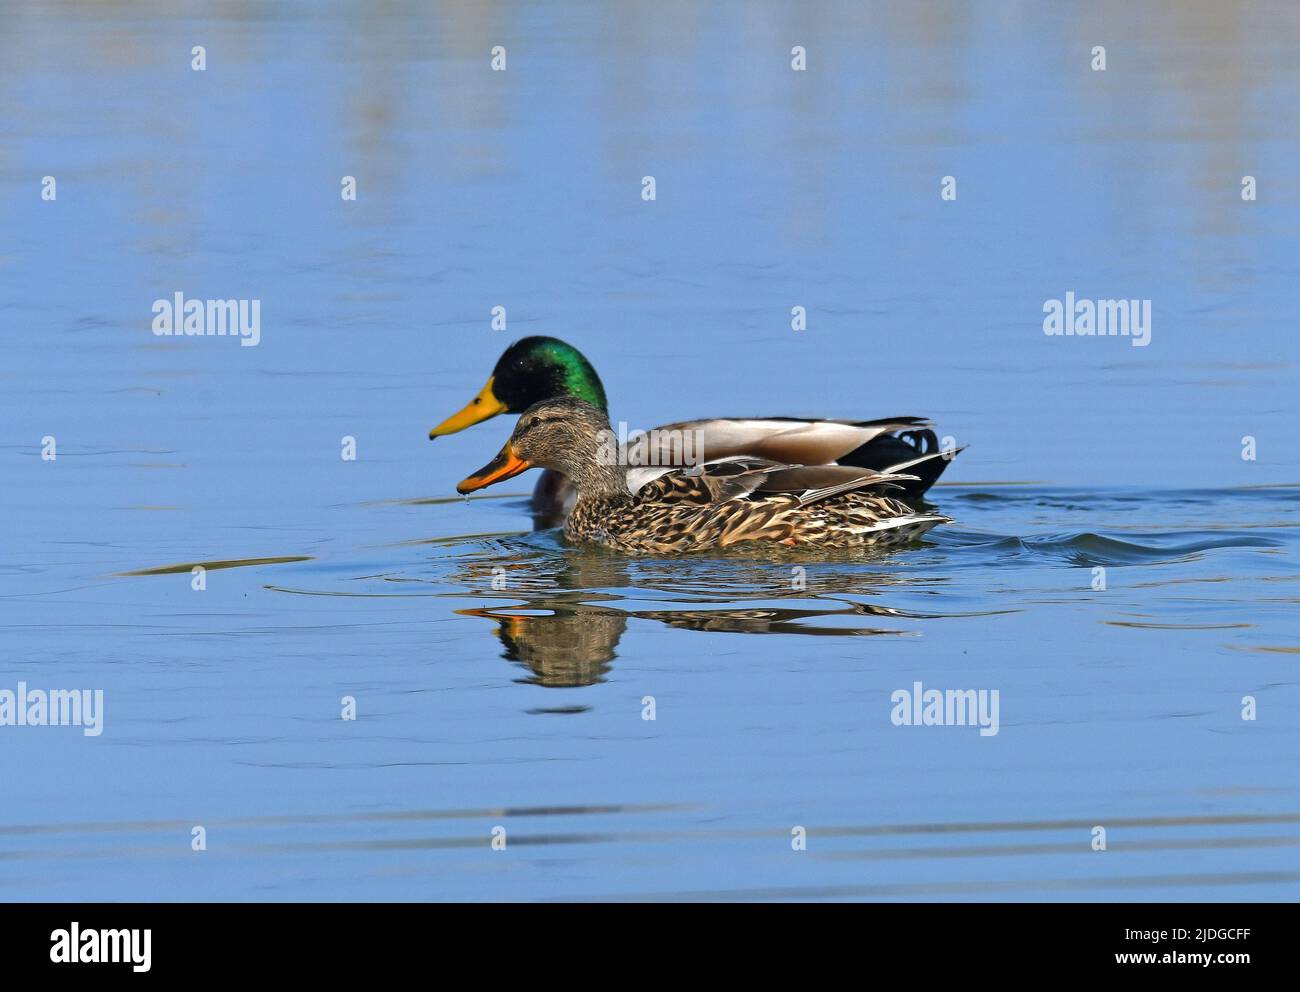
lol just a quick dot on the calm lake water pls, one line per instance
(480, 706)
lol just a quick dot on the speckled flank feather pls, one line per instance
(677, 513)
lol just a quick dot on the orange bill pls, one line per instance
(505, 465)
(480, 408)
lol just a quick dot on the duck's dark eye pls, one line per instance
(533, 422)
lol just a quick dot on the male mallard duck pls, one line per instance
(540, 368)
(712, 505)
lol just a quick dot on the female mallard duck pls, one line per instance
(713, 505)
(540, 368)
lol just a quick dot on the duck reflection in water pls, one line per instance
(561, 629)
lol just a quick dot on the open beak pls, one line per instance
(480, 408)
(506, 465)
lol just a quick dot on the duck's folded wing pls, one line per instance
(741, 477)
(783, 439)
(711, 482)
(732, 471)
(811, 483)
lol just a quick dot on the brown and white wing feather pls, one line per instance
(783, 439)
(813, 483)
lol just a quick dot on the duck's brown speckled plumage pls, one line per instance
(644, 523)
(714, 505)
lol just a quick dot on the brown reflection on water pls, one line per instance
(566, 632)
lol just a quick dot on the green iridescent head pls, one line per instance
(529, 371)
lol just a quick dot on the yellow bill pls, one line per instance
(480, 408)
